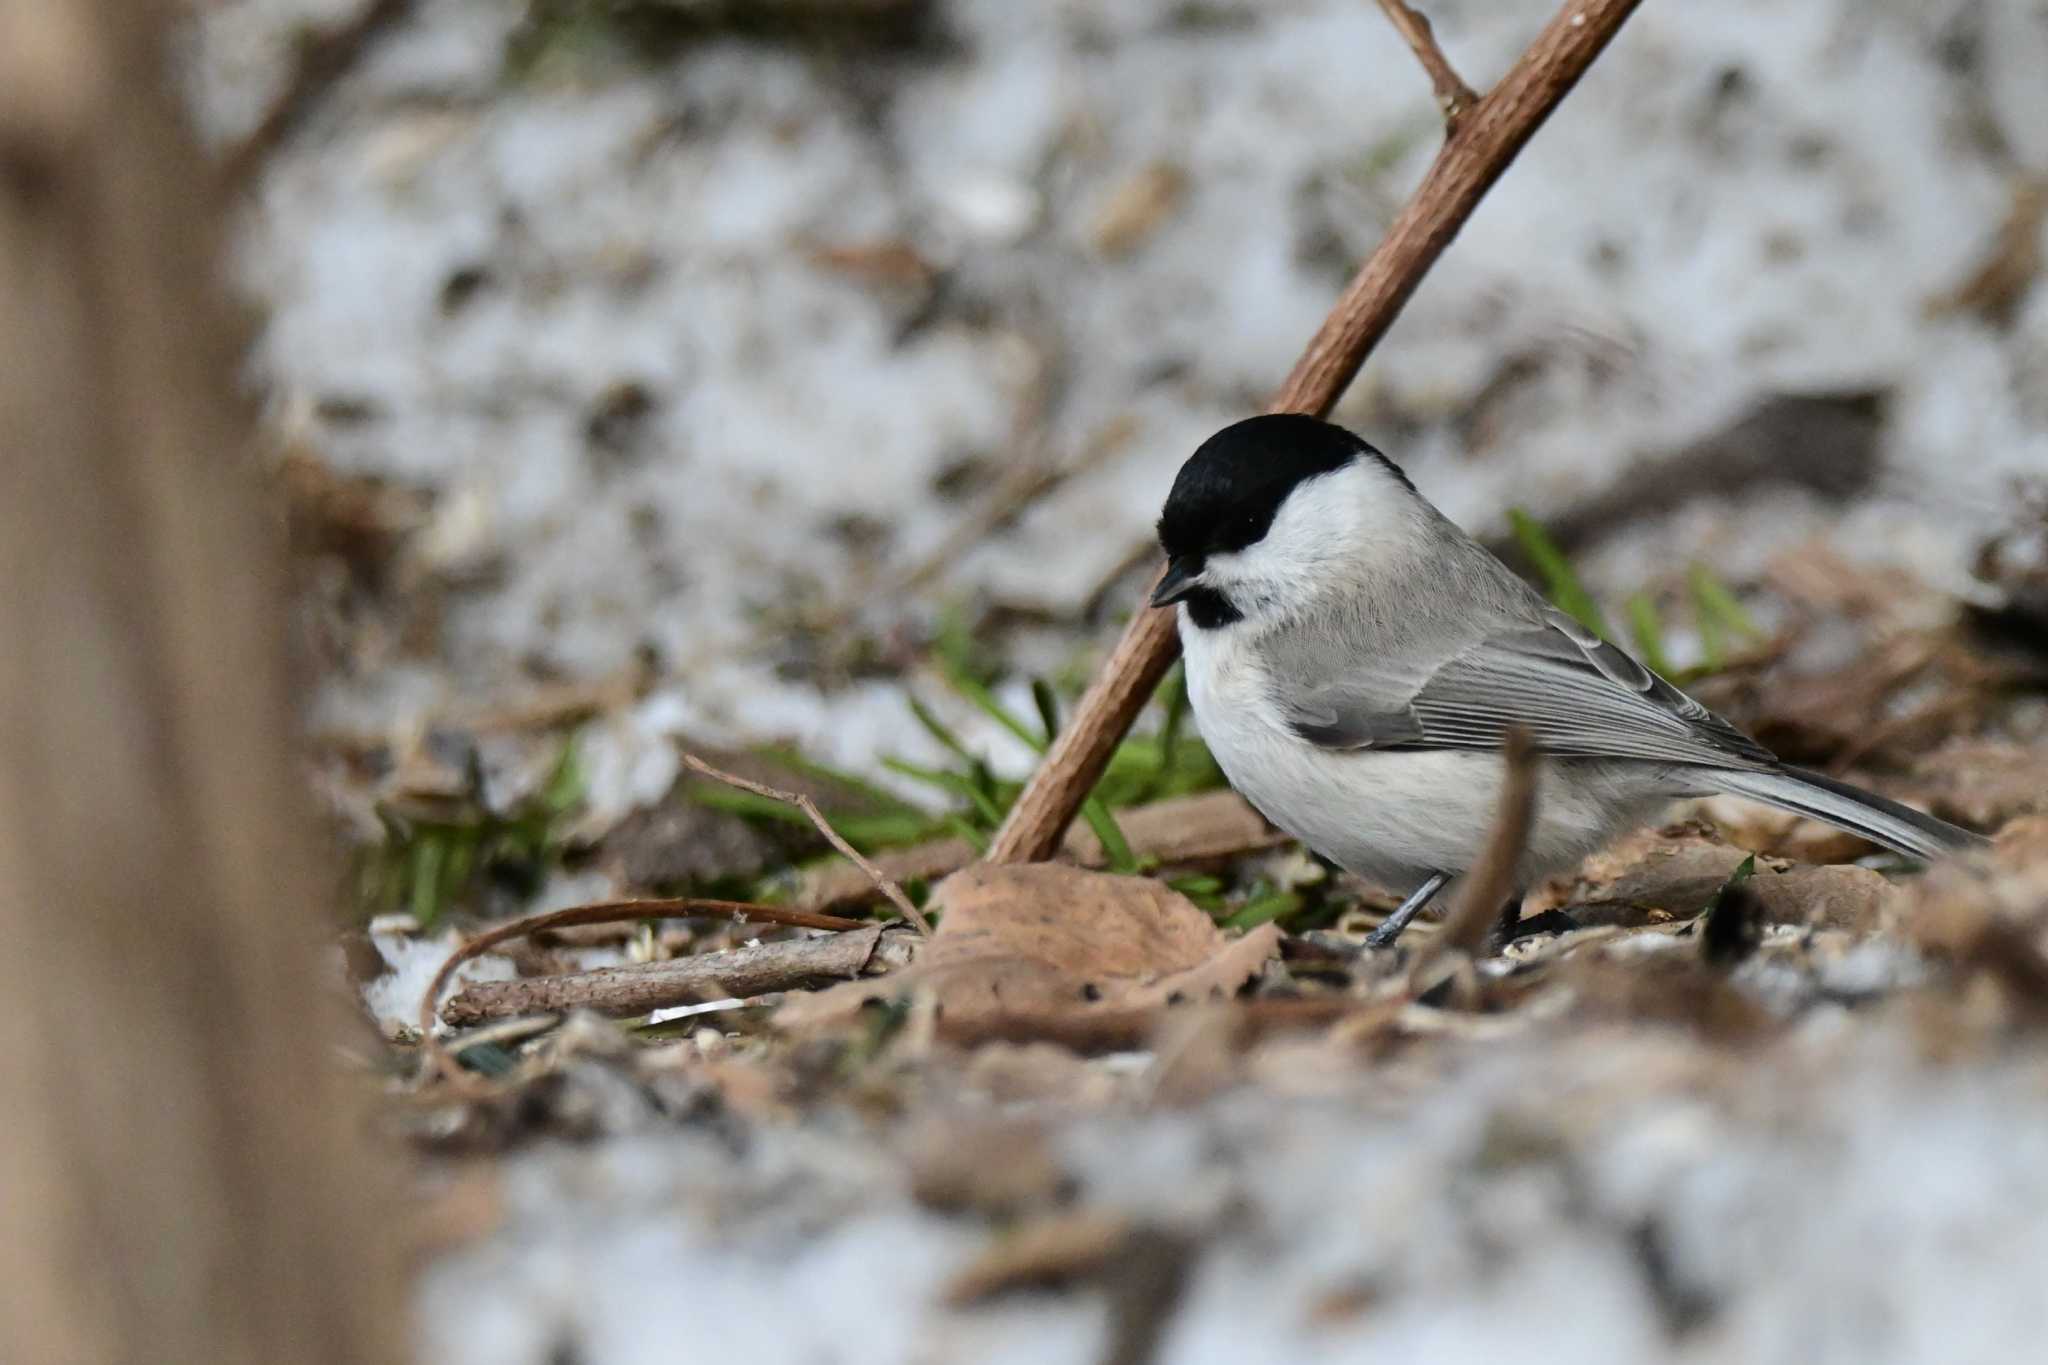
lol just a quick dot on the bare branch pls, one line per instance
(1453, 96)
(817, 817)
(1491, 880)
(603, 912)
(1490, 134)
(745, 972)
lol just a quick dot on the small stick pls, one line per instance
(817, 817)
(1453, 96)
(604, 912)
(1488, 137)
(756, 969)
(1491, 879)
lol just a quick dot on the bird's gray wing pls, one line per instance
(1575, 694)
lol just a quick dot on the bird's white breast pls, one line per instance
(1392, 817)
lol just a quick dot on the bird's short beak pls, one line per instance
(1178, 581)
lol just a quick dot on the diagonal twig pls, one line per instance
(817, 817)
(1480, 148)
(1453, 96)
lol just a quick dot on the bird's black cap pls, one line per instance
(1227, 494)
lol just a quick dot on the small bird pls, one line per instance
(1356, 663)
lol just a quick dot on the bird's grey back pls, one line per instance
(1442, 646)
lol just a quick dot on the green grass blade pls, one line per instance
(1714, 599)
(1274, 905)
(1648, 630)
(1114, 845)
(429, 858)
(939, 730)
(986, 702)
(1713, 641)
(792, 758)
(1048, 708)
(1559, 579)
(1743, 872)
(984, 803)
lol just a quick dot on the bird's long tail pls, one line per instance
(1899, 828)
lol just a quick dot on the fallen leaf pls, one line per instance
(1047, 939)
(1675, 872)
(1676, 869)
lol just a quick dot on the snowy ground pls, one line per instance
(1620, 1195)
(676, 343)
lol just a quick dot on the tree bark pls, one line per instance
(182, 1177)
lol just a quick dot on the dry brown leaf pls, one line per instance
(1675, 871)
(1047, 939)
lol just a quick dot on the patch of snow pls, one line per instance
(394, 998)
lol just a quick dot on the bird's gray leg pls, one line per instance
(1390, 929)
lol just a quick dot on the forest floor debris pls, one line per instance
(1668, 1050)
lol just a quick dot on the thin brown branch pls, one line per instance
(1482, 146)
(817, 817)
(1453, 96)
(323, 59)
(603, 912)
(745, 972)
(1491, 880)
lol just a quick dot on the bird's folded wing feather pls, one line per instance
(1575, 694)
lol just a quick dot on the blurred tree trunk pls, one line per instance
(180, 1178)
